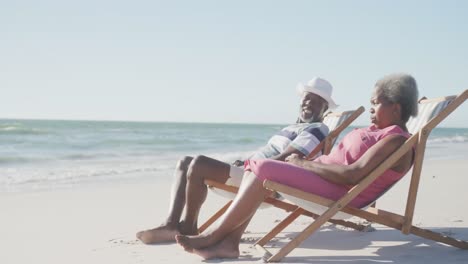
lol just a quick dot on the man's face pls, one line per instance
(312, 107)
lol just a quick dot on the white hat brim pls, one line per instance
(305, 88)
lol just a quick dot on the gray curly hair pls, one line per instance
(400, 88)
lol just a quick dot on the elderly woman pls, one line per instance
(189, 190)
(393, 101)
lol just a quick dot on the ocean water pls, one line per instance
(39, 154)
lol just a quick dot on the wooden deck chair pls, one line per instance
(336, 122)
(431, 113)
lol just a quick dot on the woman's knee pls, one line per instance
(265, 170)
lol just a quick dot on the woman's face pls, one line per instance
(383, 113)
(312, 107)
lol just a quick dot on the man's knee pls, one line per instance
(195, 166)
(184, 163)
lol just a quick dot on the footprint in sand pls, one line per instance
(249, 239)
(124, 241)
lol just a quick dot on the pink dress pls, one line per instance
(350, 149)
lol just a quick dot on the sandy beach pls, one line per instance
(97, 224)
(101, 100)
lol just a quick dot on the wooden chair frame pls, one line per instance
(396, 221)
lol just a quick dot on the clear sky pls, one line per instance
(220, 61)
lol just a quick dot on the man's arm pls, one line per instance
(301, 146)
(304, 143)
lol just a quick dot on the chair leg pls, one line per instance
(428, 234)
(353, 225)
(215, 217)
(309, 230)
(294, 215)
(278, 228)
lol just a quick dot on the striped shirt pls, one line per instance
(302, 136)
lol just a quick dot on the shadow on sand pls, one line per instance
(381, 246)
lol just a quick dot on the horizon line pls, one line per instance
(175, 122)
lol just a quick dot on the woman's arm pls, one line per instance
(353, 173)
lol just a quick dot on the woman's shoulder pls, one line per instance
(382, 132)
(395, 130)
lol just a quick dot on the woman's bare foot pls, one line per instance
(224, 249)
(189, 243)
(158, 235)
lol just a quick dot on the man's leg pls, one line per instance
(200, 169)
(251, 194)
(166, 231)
(179, 186)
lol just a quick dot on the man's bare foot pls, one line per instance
(224, 249)
(158, 235)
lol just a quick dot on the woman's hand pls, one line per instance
(295, 159)
(238, 163)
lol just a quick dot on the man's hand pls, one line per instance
(238, 163)
(295, 159)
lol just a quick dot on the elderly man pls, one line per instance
(189, 189)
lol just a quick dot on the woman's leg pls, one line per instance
(201, 168)
(167, 230)
(251, 194)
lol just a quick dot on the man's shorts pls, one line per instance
(235, 176)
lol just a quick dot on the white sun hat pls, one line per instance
(320, 87)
